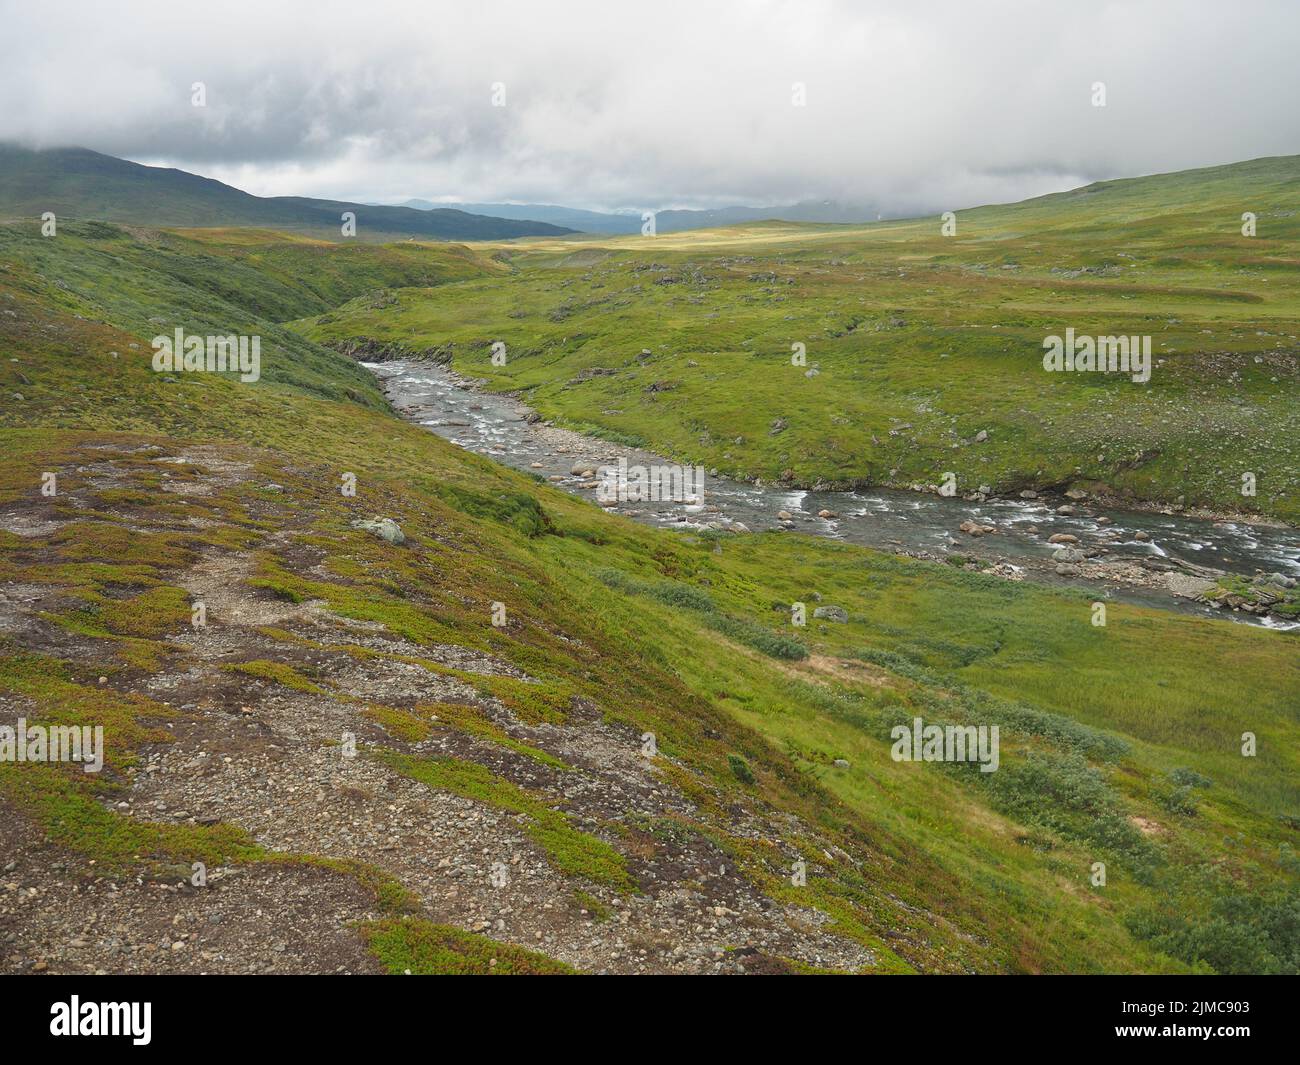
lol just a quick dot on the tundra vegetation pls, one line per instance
(1120, 745)
(920, 342)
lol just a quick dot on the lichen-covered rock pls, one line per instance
(384, 528)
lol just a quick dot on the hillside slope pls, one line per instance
(621, 777)
(79, 183)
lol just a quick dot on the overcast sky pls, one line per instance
(913, 106)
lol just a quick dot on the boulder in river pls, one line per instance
(1062, 538)
(1068, 554)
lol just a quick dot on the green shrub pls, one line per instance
(1189, 778)
(740, 768)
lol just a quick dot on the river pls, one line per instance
(1142, 555)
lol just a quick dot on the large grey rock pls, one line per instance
(1186, 586)
(831, 613)
(384, 528)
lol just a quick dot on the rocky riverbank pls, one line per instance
(1155, 556)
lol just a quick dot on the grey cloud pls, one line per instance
(910, 105)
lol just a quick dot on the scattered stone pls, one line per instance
(831, 613)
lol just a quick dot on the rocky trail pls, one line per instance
(270, 754)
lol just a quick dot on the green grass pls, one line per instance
(279, 672)
(422, 948)
(571, 851)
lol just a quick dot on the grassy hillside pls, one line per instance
(522, 745)
(218, 282)
(918, 342)
(79, 183)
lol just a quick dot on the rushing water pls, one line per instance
(888, 519)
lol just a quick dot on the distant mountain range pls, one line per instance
(79, 183)
(665, 221)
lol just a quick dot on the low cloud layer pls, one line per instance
(911, 106)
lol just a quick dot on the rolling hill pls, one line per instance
(79, 183)
(917, 342)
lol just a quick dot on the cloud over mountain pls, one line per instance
(913, 106)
